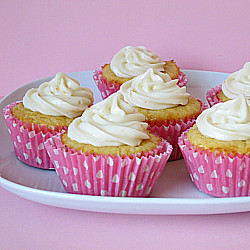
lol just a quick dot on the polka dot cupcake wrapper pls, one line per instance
(217, 175)
(28, 139)
(171, 132)
(107, 88)
(211, 95)
(182, 79)
(92, 174)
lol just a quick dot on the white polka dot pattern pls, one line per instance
(87, 184)
(38, 160)
(65, 170)
(40, 146)
(99, 174)
(32, 134)
(139, 187)
(75, 187)
(106, 175)
(75, 170)
(56, 164)
(201, 169)
(209, 187)
(104, 193)
(132, 176)
(28, 140)
(220, 176)
(115, 178)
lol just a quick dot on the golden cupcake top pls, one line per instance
(111, 122)
(62, 96)
(154, 91)
(133, 61)
(238, 83)
(226, 121)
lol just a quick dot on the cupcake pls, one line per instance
(42, 113)
(217, 149)
(235, 84)
(168, 109)
(108, 151)
(130, 62)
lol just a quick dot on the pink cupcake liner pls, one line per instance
(92, 174)
(28, 139)
(172, 131)
(217, 174)
(183, 79)
(107, 88)
(211, 95)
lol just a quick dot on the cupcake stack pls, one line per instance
(120, 146)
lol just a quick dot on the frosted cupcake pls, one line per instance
(217, 149)
(235, 84)
(130, 62)
(168, 109)
(43, 112)
(108, 151)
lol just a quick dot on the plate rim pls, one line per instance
(241, 204)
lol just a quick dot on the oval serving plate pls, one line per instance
(173, 194)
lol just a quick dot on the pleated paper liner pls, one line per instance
(28, 139)
(92, 174)
(211, 95)
(172, 131)
(107, 88)
(217, 174)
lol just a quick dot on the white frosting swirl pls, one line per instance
(62, 96)
(238, 83)
(133, 61)
(226, 121)
(154, 90)
(111, 122)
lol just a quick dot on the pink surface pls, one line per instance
(41, 38)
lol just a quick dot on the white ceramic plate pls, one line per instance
(173, 194)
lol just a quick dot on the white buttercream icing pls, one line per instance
(238, 83)
(62, 96)
(133, 61)
(226, 121)
(111, 122)
(154, 90)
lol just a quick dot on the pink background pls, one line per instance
(41, 38)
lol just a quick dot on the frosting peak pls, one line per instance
(133, 61)
(62, 96)
(111, 122)
(238, 83)
(226, 121)
(154, 90)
